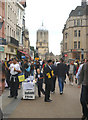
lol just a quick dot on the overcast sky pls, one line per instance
(54, 14)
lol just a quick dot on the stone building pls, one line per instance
(26, 43)
(75, 33)
(42, 42)
(10, 29)
(50, 56)
(2, 29)
(22, 32)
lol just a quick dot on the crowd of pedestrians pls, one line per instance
(46, 72)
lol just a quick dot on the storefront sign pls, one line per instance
(1, 49)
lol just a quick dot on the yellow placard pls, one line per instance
(52, 72)
(49, 76)
(21, 78)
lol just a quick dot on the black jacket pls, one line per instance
(62, 69)
(54, 68)
(39, 80)
(48, 74)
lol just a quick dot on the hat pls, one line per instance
(49, 61)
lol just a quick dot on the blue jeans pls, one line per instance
(61, 83)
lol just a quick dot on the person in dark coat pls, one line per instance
(2, 86)
(25, 66)
(61, 72)
(54, 78)
(8, 73)
(48, 74)
(39, 78)
(37, 66)
(84, 92)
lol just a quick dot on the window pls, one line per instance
(65, 46)
(78, 44)
(79, 33)
(10, 31)
(66, 35)
(14, 34)
(81, 22)
(78, 22)
(12, 50)
(44, 41)
(75, 33)
(75, 45)
(74, 22)
(41, 34)
(40, 43)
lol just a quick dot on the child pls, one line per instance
(39, 79)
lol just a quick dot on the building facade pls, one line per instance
(42, 42)
(2, 29)
(10, 29)
(26, 42)
(75, 34)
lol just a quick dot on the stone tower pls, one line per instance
(84, 2)
(42, 42)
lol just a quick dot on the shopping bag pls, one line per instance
(21, 77)
(28, 69)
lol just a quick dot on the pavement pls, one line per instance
(62, 106)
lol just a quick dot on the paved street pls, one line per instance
(65, 106)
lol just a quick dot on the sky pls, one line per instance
(53, 14)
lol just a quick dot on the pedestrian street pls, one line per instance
(62, 106)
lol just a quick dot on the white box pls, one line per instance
(29, 90)
(26, 97)
(28, 85)
(29, 94)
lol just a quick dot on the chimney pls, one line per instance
(84, 2)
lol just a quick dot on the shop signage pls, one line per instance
(1, 49)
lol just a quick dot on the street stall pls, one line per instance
(29, 88)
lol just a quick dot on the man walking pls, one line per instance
(84, 92)
(14, 82)
(72, 71)
(61, 71)
(48, 74)
(54, 78)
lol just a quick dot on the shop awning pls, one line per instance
(26, 55)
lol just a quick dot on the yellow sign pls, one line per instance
(49, 76)
(21, 78)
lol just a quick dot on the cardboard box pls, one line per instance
(29, 94)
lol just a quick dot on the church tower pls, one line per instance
(84, 2)
(42, 42)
